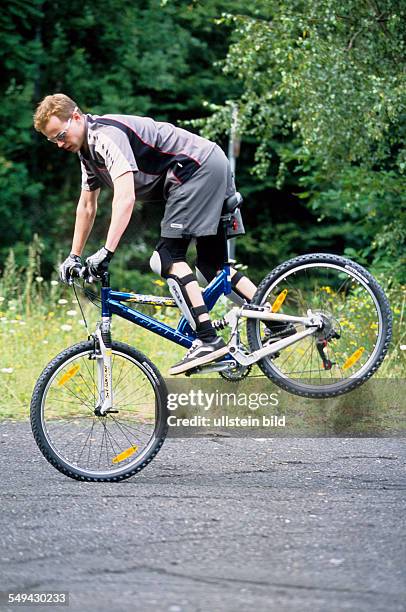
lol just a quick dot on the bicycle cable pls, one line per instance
(80, 306)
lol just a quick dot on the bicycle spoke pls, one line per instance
(346, 308)
(82, 400)
(130, 427)
(106, 443)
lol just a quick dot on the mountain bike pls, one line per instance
(318, 326)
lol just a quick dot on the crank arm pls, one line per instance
(212, 367)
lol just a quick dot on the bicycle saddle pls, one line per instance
(232, 203)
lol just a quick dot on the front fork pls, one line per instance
(103, 356)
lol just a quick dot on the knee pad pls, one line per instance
(161, 260)
(177, 287)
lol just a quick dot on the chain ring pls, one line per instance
(236, 374)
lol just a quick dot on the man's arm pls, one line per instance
(122, 208)
(85, 215)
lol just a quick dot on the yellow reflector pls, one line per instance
(68, 375)
(279, 301)
(354, 358)
(127, 453)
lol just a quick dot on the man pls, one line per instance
(139, 157)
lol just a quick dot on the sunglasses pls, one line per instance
(62, 135)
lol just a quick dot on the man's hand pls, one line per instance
(99, 261)
(73, 261)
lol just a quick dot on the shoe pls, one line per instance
(199, 353)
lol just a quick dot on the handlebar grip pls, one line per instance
(75, 271)
(78, 271)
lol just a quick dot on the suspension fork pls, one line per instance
(102, 337)
(104, 368)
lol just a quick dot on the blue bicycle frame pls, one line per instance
(183, 334)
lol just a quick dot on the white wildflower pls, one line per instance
(6, 370)
(39, 279)
(403, 347)
(54, 283)
(71, 313)
(66, 327)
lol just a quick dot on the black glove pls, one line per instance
(99, 262)
(73, 261)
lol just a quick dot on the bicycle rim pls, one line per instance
(101, 446)
(350, 309)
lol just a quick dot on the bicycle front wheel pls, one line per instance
(356, 331)
(83, 445)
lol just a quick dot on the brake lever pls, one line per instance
(81, 272)
(86, 276)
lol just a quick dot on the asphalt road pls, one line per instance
(211, 525)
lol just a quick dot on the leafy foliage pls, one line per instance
(324, 95)
(321, 95)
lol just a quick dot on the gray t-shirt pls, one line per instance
(159, 154)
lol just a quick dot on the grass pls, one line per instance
(39, 318)
(28, 343)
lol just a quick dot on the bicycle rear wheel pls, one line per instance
(88, 447)
(357, 325)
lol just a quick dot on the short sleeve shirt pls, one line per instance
(158, 153)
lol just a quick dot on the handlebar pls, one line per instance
(82, 272)
(78, 271)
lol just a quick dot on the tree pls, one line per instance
(148, 58)
(324, 94)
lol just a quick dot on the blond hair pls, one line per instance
(58, 104)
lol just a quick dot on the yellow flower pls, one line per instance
(159, 283)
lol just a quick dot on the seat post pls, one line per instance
(225, 245)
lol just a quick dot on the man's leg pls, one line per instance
(210, 259)
(169, 261)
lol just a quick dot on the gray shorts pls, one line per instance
(193, 209)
